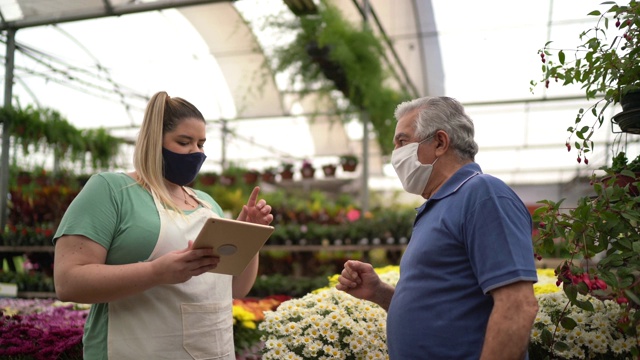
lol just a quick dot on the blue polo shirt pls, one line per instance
(472, 236)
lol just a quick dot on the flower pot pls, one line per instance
(329, 170)
(208, 179)
(286, 175)
(630, 100)
(307, 172)
(349, 167)
(629, 119)
(250, 178)
(268, 177)
(622, 181)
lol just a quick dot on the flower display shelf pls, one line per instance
(332, 185)
(351, 247)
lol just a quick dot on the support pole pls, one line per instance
(365, 130)
(4, 157)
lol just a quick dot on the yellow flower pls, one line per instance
(546, 282)
(246, 318)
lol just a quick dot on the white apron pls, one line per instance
(192, 320)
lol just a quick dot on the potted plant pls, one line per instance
(329, 170)
(349, 162)
(623, 173)
(327, 53)
(286, 170)
(207, 178)
(251, 177)
(307, 170)
(607, 65)
(269, 175)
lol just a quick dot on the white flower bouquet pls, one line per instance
(327, 324)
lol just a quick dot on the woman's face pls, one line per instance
(188, 137)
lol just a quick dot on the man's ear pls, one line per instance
(442, 141)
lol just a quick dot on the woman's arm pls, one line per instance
(244, 282)
(257, 212)
(81, 275)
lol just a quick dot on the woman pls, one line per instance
(124, 245)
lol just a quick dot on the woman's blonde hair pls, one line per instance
(162, 115)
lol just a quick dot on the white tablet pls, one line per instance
(236, 242)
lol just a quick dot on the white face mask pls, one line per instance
(412, 173)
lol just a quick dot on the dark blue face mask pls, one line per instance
(181, 169)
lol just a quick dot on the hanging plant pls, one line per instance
(606, 64)
(35, 129)
(329, 53)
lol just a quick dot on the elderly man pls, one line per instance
(466, 277)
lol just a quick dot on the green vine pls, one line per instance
(35, 129)
(329, 53)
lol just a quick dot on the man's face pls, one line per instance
(405, 130)
(405, 134)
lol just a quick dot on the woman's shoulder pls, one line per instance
(114, 178)
(108, 181)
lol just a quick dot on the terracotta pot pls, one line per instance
(329, 170)
(250, 177)
(622, 181)
(208, 179)
(268, 177)
(307, 172)
(286, 175)
(349, 167)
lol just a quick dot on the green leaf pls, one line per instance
(568, 323)
(632, 296)
(560, 346)
(585, 305)
(572, 292)
(561, 57)
(595, 13)
(546, 337)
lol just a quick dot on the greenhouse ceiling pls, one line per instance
(101, 60)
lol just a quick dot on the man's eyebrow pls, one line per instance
(400, 135)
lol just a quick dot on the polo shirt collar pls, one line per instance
(458, 179)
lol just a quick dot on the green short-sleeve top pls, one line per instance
(113, 210)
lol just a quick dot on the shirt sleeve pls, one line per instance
(93, 213)
(499, 242)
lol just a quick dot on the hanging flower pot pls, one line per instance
(629, 119)
(208, 179)
(286, 175)
(329, 170)
(307, 172)
(349, 162)
(268, 176)
(251, 177)
(287, 171)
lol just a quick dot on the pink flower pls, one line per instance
(353, 215)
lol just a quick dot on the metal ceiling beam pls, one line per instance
(405, 80)
(107, 10)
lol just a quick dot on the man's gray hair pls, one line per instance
(442, 113)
